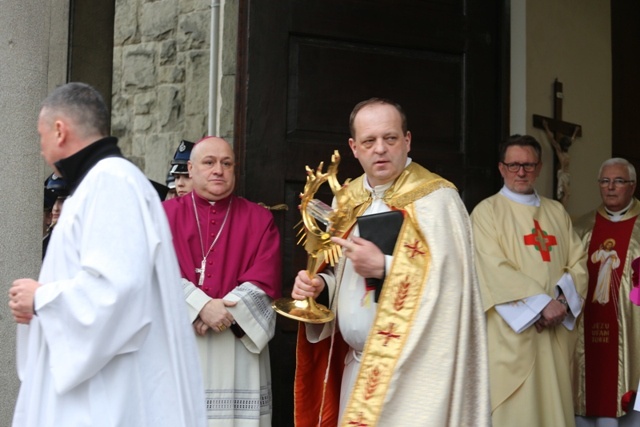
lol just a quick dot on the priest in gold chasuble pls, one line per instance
(532, 272)
(415, 354)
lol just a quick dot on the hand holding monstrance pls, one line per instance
(317, 241)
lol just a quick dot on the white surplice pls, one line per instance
(236, 372)
(111, 344)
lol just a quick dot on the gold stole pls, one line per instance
(399, 300)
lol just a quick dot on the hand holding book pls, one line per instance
(381, 230)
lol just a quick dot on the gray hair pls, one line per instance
(619, 161)
(82, 104)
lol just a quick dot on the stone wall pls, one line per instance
(33, 58)
(228, 62)
(160, 91)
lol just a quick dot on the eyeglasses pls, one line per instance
(515, 167)
(617, 182)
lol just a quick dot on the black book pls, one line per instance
(382, 229)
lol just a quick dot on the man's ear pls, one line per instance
(502, 169)
(352, 145)
(61, 130)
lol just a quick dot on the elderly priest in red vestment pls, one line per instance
(607, 360)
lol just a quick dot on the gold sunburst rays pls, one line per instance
(316, 240)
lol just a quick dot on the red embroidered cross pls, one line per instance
(414, 248)
(389, 334)
(358, 422)
(541, 240)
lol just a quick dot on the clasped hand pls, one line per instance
(215, 316)
(552, 315)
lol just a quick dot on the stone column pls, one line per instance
(32, 60)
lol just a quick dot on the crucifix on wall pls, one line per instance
(561, 135)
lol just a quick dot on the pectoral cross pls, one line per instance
(201, 271)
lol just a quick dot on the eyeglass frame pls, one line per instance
(532, 166)
(617, 182)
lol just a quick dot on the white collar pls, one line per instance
(377, 192)
(526, 199)
(617, 216)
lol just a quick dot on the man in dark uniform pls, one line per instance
(179, 171)
(55, 192)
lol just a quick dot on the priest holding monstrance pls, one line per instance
(410, 341)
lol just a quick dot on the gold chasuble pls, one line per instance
(424, 359)
(608, 354)
(523, 251)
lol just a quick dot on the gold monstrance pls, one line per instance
(317, 242)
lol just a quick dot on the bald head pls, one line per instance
(211, 168)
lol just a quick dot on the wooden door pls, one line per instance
(304, 64)
(625, 47)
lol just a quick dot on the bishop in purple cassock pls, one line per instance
(229, 254)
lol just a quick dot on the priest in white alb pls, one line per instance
(104, 339)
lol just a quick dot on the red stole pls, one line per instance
(601, 321)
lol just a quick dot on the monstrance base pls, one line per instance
(307, 310)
